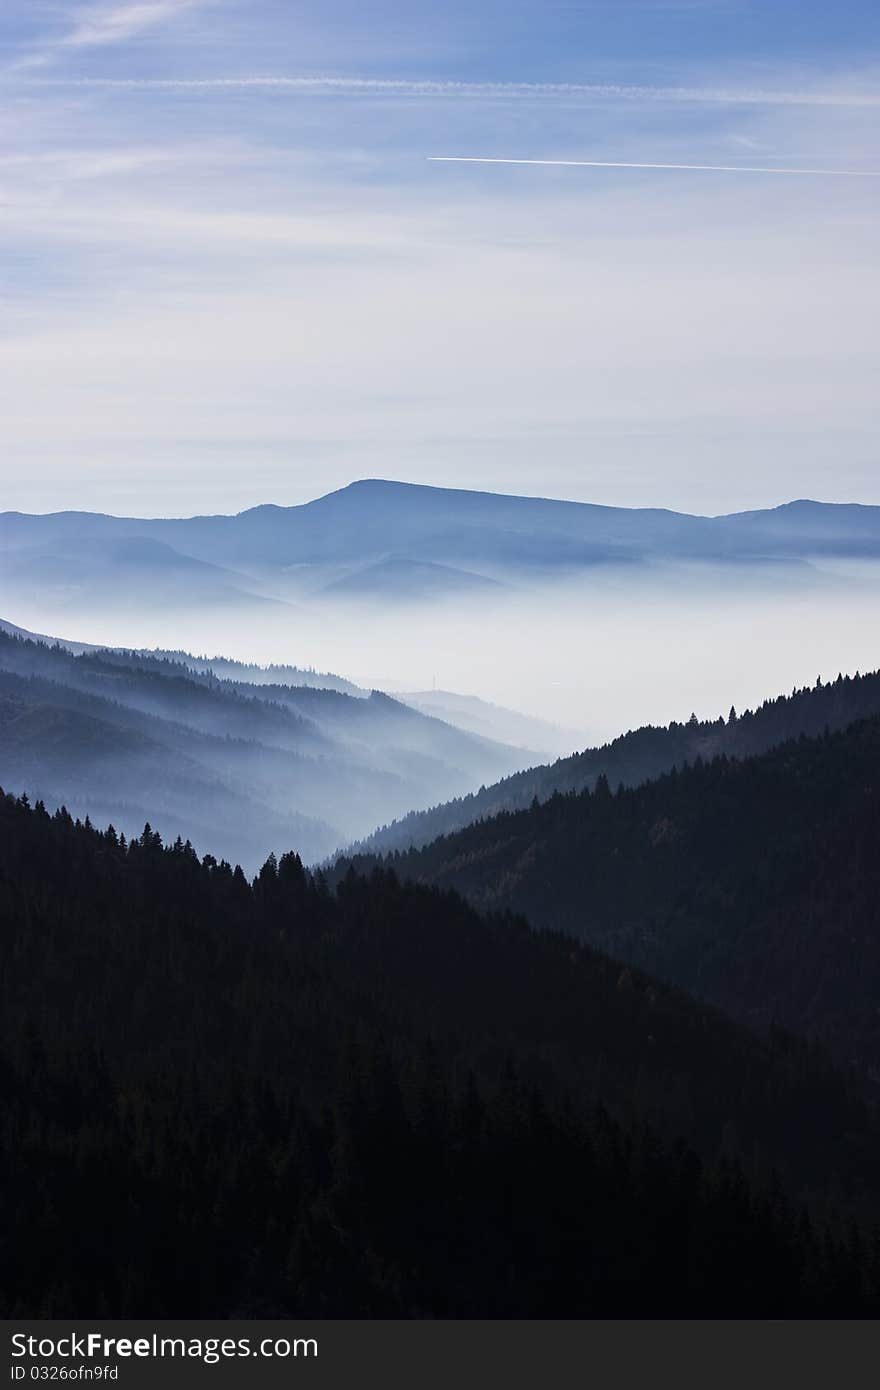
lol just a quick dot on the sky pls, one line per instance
(230, 272)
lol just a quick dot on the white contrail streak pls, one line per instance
(433, 87)
(619, 164)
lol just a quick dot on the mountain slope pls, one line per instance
(754, 884)
(249, 672)
(645, 753)
(492, 720)
(291, 765)
(89, 572)
(273, 1099)
(393, 577)
(100, 760)
(222, 666)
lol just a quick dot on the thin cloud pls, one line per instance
(101, 26)
(117, 23)
(722, 96)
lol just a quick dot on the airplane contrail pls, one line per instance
(428, 87)
(619, 164)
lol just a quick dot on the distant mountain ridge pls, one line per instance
(489, 721)
(376, 538)
(374, 516)
(492, 720)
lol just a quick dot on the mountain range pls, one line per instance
(382, 541)
(593, 1037)
(236, 764)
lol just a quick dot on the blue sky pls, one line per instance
(228, 273)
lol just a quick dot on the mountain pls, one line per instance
(223, 666)
(806, 527)
(109, 573)
(247, 671)
(397, 578)
(645, 753)
(753, 884)
(240, 766)
(277, 1100)
(491, 720)
(385, 539)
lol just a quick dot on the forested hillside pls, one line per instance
(648, 752)
(752, 883)
(270, 1098)
(238, 767)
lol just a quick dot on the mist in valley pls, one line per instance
(592, 656)
(299, 677)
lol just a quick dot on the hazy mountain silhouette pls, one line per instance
(139, 571)
(247, 765)
(491, 720)
(399, 578)
(383, 539)
(222, 666)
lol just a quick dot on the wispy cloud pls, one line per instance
(409, 87)
(100, 26)
(117, 23)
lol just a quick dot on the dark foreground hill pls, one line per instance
(754, 884)
(224, 1098)
(646, 753)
